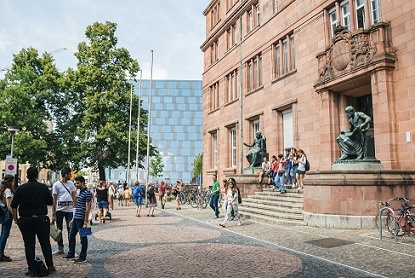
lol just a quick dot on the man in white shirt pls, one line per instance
(266, 166)
(64, 199)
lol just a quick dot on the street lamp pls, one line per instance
(138, 126)
(13, 130)
(129, 137)
(149, 124)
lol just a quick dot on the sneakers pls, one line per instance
(51, 270)
(282, 192)
(80, 261)
(5, 259)
(59, 251)
(239, 224)
(68, 256)
(222, 225)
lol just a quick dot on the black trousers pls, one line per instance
(30, 227)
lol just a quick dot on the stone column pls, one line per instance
(329, 128)
(384, 118)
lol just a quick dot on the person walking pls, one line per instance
(64, 199)
(101, 193)
(111, 193)
(30, 202)
(6, 196)
(80, 221)
(279, 177)
(214, 197)
(138, 198)
(177, 188)
(288, 166)
(127, 196)
(232, 197)
(301, 160)
(162, 192)
(151, 199)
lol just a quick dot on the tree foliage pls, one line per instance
(156, 166)
(197, 166)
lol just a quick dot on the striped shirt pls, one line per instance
(84, 196)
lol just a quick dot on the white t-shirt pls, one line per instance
(266, 166)
(7, 194)
(63, 196)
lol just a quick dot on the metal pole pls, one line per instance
(138, 127)
(129, 138)
(11, 151)
(149, 124)
(241, 94)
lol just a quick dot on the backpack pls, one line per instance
(137, 192)
(239, 196)
(150, 193)
(307, 165)
(40, 269)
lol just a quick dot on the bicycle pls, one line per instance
(398, 222)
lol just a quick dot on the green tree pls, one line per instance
(100, 102)
(197, 166)
(27, 99)
(156, 166)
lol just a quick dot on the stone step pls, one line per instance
(272, 212)
(271, 220)
(273, 202)
(274, 207)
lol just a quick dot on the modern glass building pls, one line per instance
(176, 127)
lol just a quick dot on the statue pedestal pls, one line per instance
(370, 164)
(252, 170)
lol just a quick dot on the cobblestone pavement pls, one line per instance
(190, 243)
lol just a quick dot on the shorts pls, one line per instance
(103, 204)
(300, 172)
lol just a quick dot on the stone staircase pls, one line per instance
(275, 208)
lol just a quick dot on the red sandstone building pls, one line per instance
(282, 67)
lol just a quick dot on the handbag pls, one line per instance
(55, 233)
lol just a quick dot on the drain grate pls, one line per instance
(329, 242)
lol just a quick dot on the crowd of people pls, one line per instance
(284, 169)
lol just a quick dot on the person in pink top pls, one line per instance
(279, 177)
(162, 192)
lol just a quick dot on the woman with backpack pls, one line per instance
(151, 199)
(6, 218)
(301, 160)
(233, 198)
(138, 198)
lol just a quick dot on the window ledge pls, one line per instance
(254, 90)
(284, 75)
(232, 101)
(213, 111)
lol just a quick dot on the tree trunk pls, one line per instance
(101, 170)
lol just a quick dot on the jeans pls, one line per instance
(30, 227)
(77, 224)
(288, 173)
(214, 199)
(295, 167)
(279, 181)
(5, 232)
(59, 222)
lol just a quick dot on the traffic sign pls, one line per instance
(11, 166)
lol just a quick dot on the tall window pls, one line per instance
(215, 150)
(231, 36)
(258, 15)
(333, 20)
(254, 72)
(233, 146)
(284, 56)
(214, 15)
(360, 14)
(288, 130)
(214, 51)
(375, 11)
(255, 126)
(232, 79)
(251, 21)
(345, 9)
(214, 96)
(276, 5)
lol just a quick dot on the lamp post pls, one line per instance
(129, 138)
(149, 124)
(138, 126)
(13, 130)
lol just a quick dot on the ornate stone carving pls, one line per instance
(353, 51)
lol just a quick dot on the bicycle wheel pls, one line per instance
(182, 198)
(388, 223)
(205, 202)
(194, 201)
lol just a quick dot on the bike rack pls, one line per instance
(381, 226)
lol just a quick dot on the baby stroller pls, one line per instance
(108, 216)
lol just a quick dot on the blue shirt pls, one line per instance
(84, 196)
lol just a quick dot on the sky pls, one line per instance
(173, 29)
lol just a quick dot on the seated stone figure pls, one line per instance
(259, 150)
(352, 142)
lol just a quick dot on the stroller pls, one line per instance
(108, 216)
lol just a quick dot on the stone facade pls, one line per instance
(330, 72)
(291, 60)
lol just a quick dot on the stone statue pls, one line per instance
(259, 150)
(352, 142)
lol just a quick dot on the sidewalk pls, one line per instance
(187, 242)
